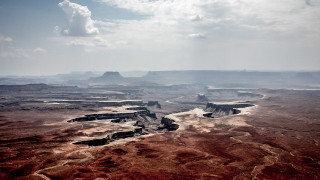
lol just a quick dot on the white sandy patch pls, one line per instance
(247, 110)
(232, 121)
(105, 129)
(196, 119)
(197, 111)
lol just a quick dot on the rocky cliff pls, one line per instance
(219, 109)
(112, 137)
(169, 124)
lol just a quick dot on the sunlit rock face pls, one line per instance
(169, 124)
(221, 109)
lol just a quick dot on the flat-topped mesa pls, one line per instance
(112, 137)
(169, 124)
(227, 105)
(92, 117)
(109, 78)
(121, 103)
(138, 108)
(112, 75)
(117, 116)
(141, 110)
(126, 134)
(223, 109)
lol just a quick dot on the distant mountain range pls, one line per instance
(227, 79)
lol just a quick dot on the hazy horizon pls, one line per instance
(141, 73)
(42, 37)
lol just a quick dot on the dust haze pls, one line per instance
(159, 89)
(161, 125)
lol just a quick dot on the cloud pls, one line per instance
(88, 42)
(39, 50)
(79, 43)
(206, 29)
(197, 35)
(236, 18)
(80, 22)
(196, 17)
(312, 2)
(5, 39)
(8, 50)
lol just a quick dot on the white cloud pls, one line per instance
(171, 30)
(196, 17)
(56, 30)
(8, 50)
(237, 19)
(5, 39)
(88, 42)
(39, 50)
(197, 35)
(80, 22)
(79, 43)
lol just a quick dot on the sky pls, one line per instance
(42, 37)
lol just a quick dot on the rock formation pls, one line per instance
(117, 116)
(202, 98)
(227, 105)
(112, 137)
(109, 78)
(121, 103)
(220, 109)
(169, 124)
(154, 103)
(209, 114)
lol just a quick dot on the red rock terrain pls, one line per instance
(279, 139)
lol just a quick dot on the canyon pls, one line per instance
(159, 131)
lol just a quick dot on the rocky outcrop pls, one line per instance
(109, 78)
(226, 109)
(92, 117)
(138, 108)
(118, 120)
(235, 105)
(112, 137)
(126, 134)
(154, 103)
(141, 110)
(202, 98)
(139, 124)
(121, 103)
(209, 114)
(117, 117)
(95, 142)
(169, 124)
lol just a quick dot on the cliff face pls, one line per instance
(228, 106)
(169, 124)
(225, 109)
(111, 74)
(112, 137)
(132, 121)
(140, 111)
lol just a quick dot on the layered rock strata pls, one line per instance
(224, 109)
(169, 124)
(112, 137)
